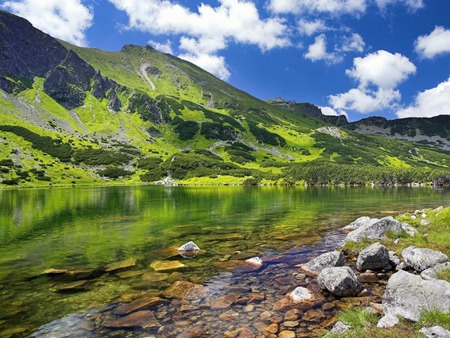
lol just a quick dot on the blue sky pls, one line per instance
(356, 57)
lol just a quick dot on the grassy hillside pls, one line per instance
(138, 115)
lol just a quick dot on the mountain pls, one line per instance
(72, 115)
(434, 131)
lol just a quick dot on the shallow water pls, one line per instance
(92, 227)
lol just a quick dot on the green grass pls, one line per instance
(433, 318)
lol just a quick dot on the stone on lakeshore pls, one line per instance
(272, 328)
(77, 286)
(286, 334)
(376, 230)
(435, 332)
(236, 266)
(431, 273)
(189, 246)
(126, 264)
(192, 332)
(166, 265)
(255, 261)
(362, 221)
(181, 289)
(374, 257)
(422, 258)
(142, 319)
(293, 314)
(340, 281)
(243, 332)
(388, 320)
(408, 295)
(137, 305)
(326, 260)
(340, 328)
(313, 315)
(224, 302)
(393, 259)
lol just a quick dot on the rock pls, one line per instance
(326, 260)
(286, 334)
(435, 332)
(155, 276)
(224, 302)
(142, 319)
(313, 315)
(408, 295)
(293, 314)
(431, 273)
(388, 320)
(375, 230)
(368, 277)
(77, 286)
(255, 261)
(166, 265)
(422, 258)
(374, 257)
(169, 252)
(236, 266)
(126, 264)
(393, 259)
(340, 328)
(340, 281)
(302, 295)
(129, 274)
(72, 274)
(192, 332)
(137, 305)
(181, 289)
(362, 221)
(189, 250)
(272, 328)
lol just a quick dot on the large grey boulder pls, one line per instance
(435, 332)
(374, 257)
(375, 230)
(431, 273)
(422, 258)
(340, 281)
(326, 260)
(408, 295)
(362, 221)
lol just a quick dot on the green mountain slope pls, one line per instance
(71, 115)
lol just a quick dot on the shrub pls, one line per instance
(149, 162)
(114, 172)
(91, 156)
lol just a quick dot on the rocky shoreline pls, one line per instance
(293, 294)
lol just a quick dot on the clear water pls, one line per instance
(93, 227)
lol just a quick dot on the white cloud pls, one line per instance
(165, 47)
(309, 28)
(209, 29)
(332, 112)
(353, 43)
(382, 69)
(318, 51)
(438, 42)
(211, 63)
(67, 20)
(365, 101)
(412, 5)
(334, 7)
(429, 103)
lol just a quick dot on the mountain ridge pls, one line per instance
(84, 116)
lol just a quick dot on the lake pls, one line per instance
(116, 234)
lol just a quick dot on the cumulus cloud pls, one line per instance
(382, 69)
(334, 7)
(364, 100)
(437, 42)
(165, 47)
(318, 51)
(211, 63)
(429, 103)
(231, 20)
(332, 112)
(67, 20)
(353, 43)
(309, 28)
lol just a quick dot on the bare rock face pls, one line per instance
(422, 258)
(326, 260)
(340, 281)
(374, 257)
(408, 295)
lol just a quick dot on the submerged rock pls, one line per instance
(189, 250)
(302, 295)
(136, 305)
(72, 274)
(182, 289)
(326, 260)
(77, 286)
(374, 257)
(125, 264)
(142, 319)
(422, 258)
(340, 281)
(166, 265)
(255, 261)
(408, 295)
